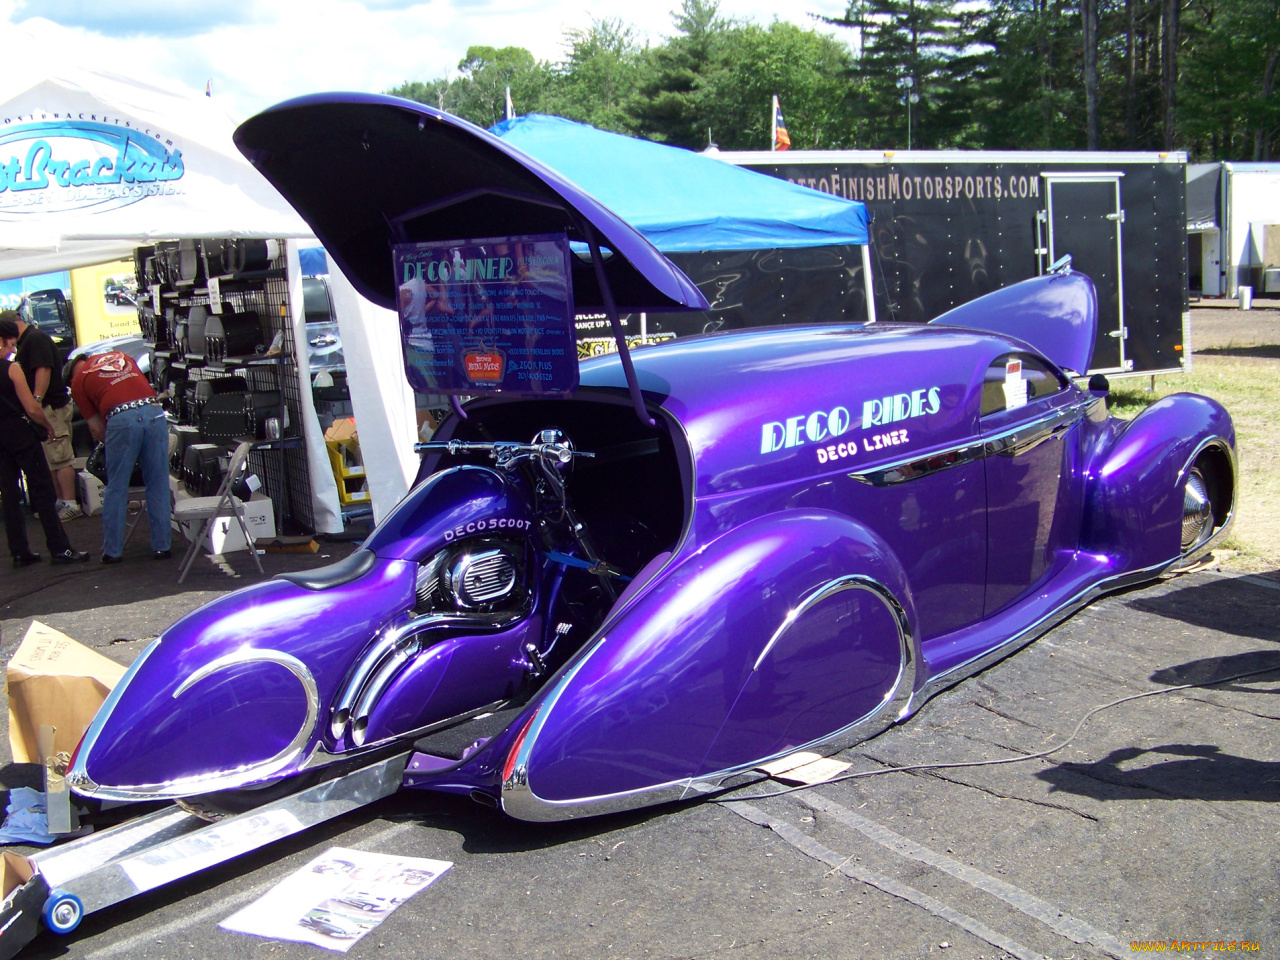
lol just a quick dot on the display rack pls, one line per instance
(270, 373)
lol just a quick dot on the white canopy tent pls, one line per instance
(94, 163)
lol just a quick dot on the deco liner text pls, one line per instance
(823, 425)
(35, 172)
(486, 268)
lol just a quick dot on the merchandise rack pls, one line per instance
(281, 463)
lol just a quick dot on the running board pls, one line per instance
(140, 855)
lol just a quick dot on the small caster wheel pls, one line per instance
(62, 912)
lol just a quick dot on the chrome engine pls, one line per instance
(479, 575)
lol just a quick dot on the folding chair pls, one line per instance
(209, 509)
(138, 499)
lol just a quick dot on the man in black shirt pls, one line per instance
(38, 357)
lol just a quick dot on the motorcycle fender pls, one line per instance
(781, 632)
(232, 694)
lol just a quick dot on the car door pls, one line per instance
(1030, 418)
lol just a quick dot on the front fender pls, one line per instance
(231, 694)
(1133, 498)
(716, 666)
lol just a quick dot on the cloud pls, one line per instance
(134, 18)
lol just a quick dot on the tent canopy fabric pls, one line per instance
(684, 201)
(94, 163)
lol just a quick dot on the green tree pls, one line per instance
(479, 93)
(811, 73)
(1229, 101)
(675, 105)
(598, 80)
(911, 95)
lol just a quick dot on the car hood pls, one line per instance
(367, 171)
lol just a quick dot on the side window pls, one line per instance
(1041, 379)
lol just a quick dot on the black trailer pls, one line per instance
(949, 226)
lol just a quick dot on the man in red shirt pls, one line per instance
(121, 409)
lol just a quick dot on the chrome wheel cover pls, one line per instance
(1197, 512)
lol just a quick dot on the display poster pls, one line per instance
(337, 898)
(488, 316)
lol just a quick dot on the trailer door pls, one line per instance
(1085, 220)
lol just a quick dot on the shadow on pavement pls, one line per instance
(1196, 772)
(1183, 771)
(1228, 605)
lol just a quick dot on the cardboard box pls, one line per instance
(342, 429)
(54, 683)
(224, 535)
(24, 893)
(89, 492)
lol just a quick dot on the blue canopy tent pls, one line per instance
(756, 245)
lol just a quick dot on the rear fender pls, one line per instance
(1134, 495)
(233, 694)
(710, 668)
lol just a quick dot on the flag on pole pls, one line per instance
(511, 110)
(781, 139)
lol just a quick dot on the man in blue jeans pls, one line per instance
(121, 409)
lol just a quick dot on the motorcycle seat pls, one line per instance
(333, 575)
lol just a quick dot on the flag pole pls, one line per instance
(773, 123)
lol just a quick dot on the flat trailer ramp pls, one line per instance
(1155, 825)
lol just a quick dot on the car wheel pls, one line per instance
(1197, 511)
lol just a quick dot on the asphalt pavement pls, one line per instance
(1155, 823)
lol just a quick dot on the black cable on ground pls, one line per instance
(991, 763)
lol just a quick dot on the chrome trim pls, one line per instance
(78, 777)
(1037, 629)
(519, 800)
(830, 589)
(913, 468)
(378, 684)
(321, 757)
(1009, 443)
(1195, 554)
(224, 779)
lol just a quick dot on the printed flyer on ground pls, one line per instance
(336, 898)
(480, 316)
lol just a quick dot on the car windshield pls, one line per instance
(48, 313)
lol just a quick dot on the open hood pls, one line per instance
(368, 171)
(1057, 314)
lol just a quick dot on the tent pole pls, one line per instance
(611, 311)
(866, 280)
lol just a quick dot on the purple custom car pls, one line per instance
(719, 551)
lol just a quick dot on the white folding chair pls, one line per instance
(210, 509)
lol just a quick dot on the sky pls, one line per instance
(255, 54)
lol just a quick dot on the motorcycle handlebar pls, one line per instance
(503, 451)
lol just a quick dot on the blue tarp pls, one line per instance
(683, 201)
